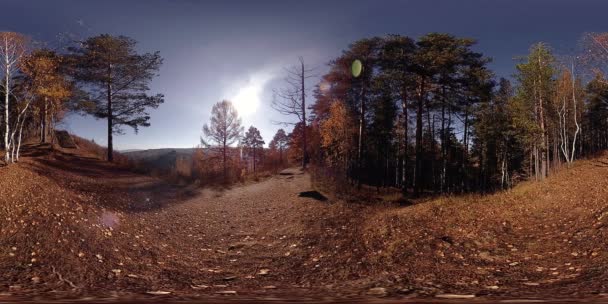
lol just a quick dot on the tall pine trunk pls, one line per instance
(405, 141)
(110, 116)
(418, 168)
(444, 161)
(304, 145)
(541, 117)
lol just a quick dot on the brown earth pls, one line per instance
(76, 227)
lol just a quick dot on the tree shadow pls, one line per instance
(314, 195)
(114, 187)
(600, 163)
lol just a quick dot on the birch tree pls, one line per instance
(568, 93)
(13, 48)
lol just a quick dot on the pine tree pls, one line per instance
(280, 141)
(116, 78)
(253, 141)
(536, 79)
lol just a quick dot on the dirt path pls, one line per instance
(78, 227)
(247, 237)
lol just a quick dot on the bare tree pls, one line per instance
(224, 129)
(13, 48)
(291, 100)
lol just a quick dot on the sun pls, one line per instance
(247, 100)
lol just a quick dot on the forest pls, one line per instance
(429, 116)
(425, 116)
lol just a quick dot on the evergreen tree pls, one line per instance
(116, 78)
(253, 141)
(536, 78)
(280, 142)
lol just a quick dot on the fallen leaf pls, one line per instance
(158, 292)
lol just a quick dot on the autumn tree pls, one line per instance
(296, 137)
(40, 83)
(591, 56)
(253, 141)
(223, 130)
(117, 79)
(336, 135)
(13, 49)
(48, 85)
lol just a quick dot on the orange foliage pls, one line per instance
(336, 134)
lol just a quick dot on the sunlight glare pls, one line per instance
(247, 99)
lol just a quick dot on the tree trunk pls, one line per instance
(465, 152)
(254, 160)
(360, 143)
(575, 116)
(541, 117)
(444, 161)
(418, 169)
(224, 159)
(431, 143)
(405, 136)
(7, 92)
(44, 123)
(20, 135)
(110, 114)
(304, 145)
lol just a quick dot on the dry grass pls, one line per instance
(504, 239)
(538, 239)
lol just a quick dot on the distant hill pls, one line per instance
(154, 153)
(159, 159)
(129, 150)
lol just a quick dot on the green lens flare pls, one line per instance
(356, 68)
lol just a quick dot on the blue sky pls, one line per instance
(216, 50)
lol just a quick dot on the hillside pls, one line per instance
(77, 226)
(163, 160)
(157, 153)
